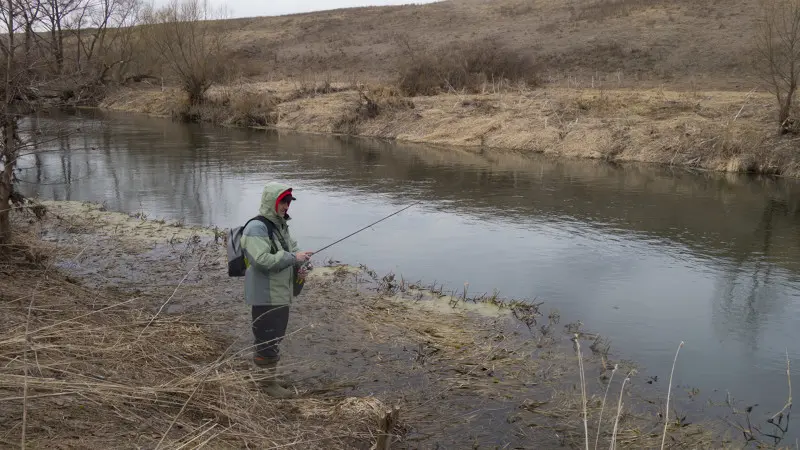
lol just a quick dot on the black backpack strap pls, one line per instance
(271, 231)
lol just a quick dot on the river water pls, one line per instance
(646, 256)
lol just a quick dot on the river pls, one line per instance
(646, 256)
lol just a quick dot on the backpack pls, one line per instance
(236, 263)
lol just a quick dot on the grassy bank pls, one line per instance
(125, 331)
(717, 130)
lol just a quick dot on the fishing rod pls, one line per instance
(299, 282)
(370, 225)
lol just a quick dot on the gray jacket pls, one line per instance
(269, 276)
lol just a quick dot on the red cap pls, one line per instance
(284, 194)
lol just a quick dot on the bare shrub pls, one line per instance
(391, 99)
(371, 104)
(188, 44)
(364, 109)
(250, 109)
(469, 66)
(233, 107)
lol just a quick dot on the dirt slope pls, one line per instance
(705, 43)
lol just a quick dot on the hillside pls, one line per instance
(691, 44)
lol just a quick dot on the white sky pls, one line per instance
(251, 8)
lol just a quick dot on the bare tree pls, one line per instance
(98, 24)
(25, 75)
(8, 119)
(107, 38)
(778, 53)
(189, 43)
(56, 17)
(31, 11)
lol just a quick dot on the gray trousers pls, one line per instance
(269, 328)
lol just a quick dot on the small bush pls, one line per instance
(252, 109)
(365, 109)
(391, 99)
(470, 66)
(231, 107)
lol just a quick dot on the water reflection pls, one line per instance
(648, 256)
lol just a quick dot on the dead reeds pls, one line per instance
(92, 368)
(631, 428)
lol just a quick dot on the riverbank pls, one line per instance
(715, 130)
(127, 318)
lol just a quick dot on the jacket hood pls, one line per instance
(269, 200)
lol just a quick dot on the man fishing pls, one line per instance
(274, 272)
(271, 263)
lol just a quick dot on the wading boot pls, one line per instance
(271, 386)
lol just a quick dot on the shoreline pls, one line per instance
(357, 337)
(713, 131)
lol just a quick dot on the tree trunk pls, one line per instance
(784, 114)
(7, 166)
(60, 50)
(195, 89)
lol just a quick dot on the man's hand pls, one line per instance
(303, 256)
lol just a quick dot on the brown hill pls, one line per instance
(682, 43)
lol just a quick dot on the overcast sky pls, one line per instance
(250, 8)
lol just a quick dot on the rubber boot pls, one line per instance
(271, 386)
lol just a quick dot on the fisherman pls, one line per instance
(270, 273)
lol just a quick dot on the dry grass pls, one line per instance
(711, 130)
(88, 368)
(628, 424)
(236, 105)
(81, 369)
(625, 42)
(576, 399)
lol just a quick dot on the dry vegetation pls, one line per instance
(714, 130)
(87, 366)
(624, 42)
(94, 368)
(622, 80)
(93, 363)
(579, 79)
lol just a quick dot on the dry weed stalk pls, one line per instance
(602, 408)
(619, 409)
(669, 392)
(576, 339)
(92, 368)
(752, 433)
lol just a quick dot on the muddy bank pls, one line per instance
(715, 130)
(465, 373)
